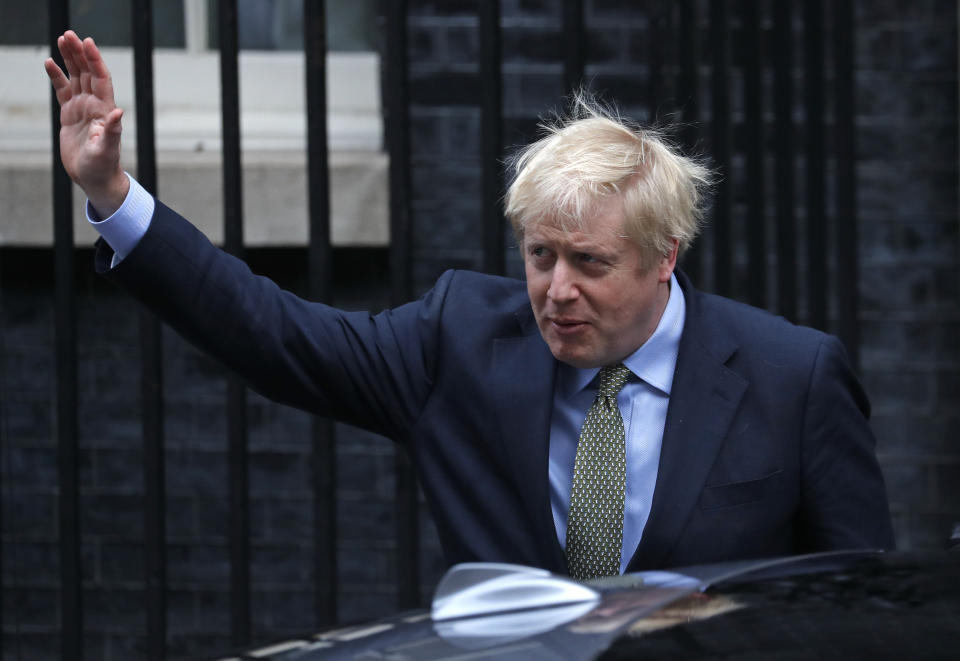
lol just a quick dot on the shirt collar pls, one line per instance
(656, 359)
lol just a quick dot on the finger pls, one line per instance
(68, 49)
(80, 58)
(94, 58)
(57, 78)
(62, 46)
(112, 124)
(61, 86)
(101, 82)
(74, 61)
(64, 49)
(111, 132)
(85, 82)
(66, 45)
(72, 39)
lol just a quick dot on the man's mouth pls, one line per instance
(566, 326)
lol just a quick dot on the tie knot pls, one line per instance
(612, 379)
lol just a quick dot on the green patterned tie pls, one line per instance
(595, 523)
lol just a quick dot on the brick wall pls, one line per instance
(909, 241)
(111, 459)
(906, 61)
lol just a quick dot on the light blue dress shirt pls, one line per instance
(643, 405)
(124, 229)
(643, 400)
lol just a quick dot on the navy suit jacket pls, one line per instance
(766, 449)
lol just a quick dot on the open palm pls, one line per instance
(89, 119)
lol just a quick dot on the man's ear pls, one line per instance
(668, 262)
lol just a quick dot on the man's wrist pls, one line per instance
(124, 229)
(106, 200)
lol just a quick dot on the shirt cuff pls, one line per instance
(123, 230)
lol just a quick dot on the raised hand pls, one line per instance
(89, 123)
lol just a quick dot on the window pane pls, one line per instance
(107, 21)
(351, 25)
(23, 23)
(168, 25)
(278, 24)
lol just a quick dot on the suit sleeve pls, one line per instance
(374, 371)
(844, 497)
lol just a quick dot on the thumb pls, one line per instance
(112, 128)
(112, 123)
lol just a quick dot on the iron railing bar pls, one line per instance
(396, 121)
(151, 370)
(846, 225)
(689, 86)
(491, 140)
(65, 329)
(5, 489)
(401, 257)
(720, 80)
(230, 122)
(237, 451)
(656, 26)
(755, 170)
(319, 276)
(575, 45)
(816, 218)
(785, 159)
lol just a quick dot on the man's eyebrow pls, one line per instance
(591, 244)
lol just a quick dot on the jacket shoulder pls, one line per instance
(756, 334)
(755, 323)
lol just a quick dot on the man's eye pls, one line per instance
(588, 259)
(538, 251)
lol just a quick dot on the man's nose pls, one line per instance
(563, 285)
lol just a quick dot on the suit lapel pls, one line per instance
(704, 398)
(523, 381)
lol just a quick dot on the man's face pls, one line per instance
(594, 299)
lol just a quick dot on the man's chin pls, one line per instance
(577, 357)
(576, 351)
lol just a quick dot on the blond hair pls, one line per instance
(592, 154)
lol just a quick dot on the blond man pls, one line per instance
(603, 416)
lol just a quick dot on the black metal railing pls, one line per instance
(319, 276)
(151, 358)
(767, 209)
(65, 318)
(401, 268)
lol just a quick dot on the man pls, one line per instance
(603, 417)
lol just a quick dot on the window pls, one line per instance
(263, 24)
(187, 107)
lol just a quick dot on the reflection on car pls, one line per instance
(840, 605)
